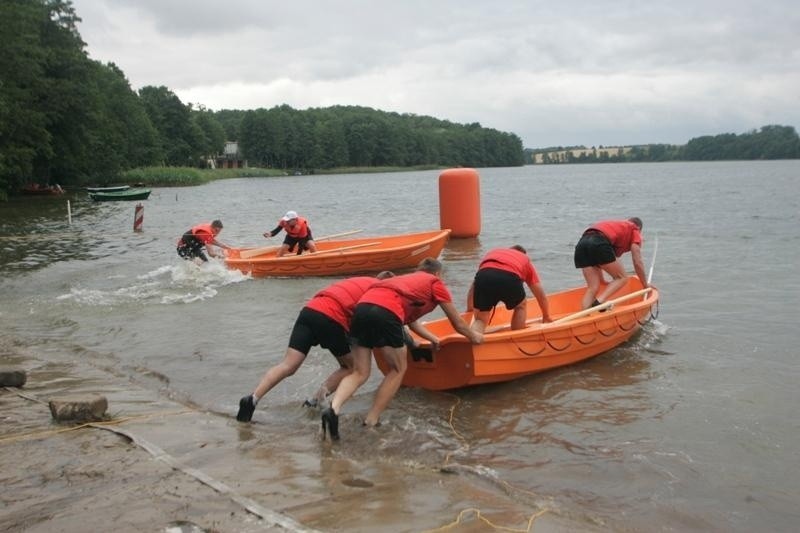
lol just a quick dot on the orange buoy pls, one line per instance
(460, 202)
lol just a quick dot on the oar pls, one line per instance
(653, 261)
(604, 305)
(247, 254)
(343, 248)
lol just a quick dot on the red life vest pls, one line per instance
(409, 296)
(511, 260)
(338, 300)
(621, 233)
(298, 231)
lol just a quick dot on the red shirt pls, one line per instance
(622, 234)
(513, 261)
(298, 231)
(203, 233)
(409, 296)
(338, 300)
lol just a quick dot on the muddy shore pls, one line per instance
(160, 465)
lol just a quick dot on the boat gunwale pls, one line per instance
(322, 255)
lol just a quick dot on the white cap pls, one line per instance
(290, 215)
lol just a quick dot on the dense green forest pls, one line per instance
(67, 119)
(769, 142)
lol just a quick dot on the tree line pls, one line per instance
(67, 119)
(768, 142)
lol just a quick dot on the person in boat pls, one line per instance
(501, 277)
(298, 233)
(599, 250)
(377, 324)
(323, 321)
(193, 243)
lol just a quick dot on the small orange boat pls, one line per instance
(504, 355)
(338, 257)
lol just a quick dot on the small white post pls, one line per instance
(69, 213)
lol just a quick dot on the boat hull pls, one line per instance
(506, 355)
(341, 257)
(120, 196)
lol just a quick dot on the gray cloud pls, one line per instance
(573, 72)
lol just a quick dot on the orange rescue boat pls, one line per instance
(573, 336)
(339, 257)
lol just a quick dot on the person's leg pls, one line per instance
(480, 319)
(619, 279)
(283, 251)
(332, 382)
(291, 362)
(362, 364)
(520, 316)
(398, 363)
(311, 246)
(593, 276)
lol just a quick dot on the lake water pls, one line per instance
(691, 426)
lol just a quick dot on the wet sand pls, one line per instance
(160, 465)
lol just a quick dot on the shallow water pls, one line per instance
(690, 426)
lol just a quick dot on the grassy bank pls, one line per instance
(186, 176)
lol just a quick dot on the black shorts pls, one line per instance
(302, 241)
(593, 249)
(493, 285)
(190, 247)
(374, 326)
(314, 328)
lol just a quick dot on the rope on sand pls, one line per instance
(248, 504)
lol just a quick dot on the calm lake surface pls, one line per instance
(691, 426)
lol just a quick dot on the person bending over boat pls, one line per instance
(324, 321)
(378, 322)
(297, 234)
(192, 243)
(599, 250)
(501, 277)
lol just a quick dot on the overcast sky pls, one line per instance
(554, 73)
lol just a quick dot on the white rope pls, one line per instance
(653, 261)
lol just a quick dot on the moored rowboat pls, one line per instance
(116, 196)
(573, 336)
(115, 188)
(338, 257)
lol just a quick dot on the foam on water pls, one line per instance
(183, 283)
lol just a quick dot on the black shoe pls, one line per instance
(596, 303)
(312, 403)
(246, 408)
(330, 421)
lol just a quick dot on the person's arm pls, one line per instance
(638, 264)
(423, 332)
(215, 242)
(541, 297)
(274, 232)
(458, 323)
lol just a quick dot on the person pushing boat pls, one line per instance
(599, 250)
(198, 238)
(298, 233)
(500, 277)
(324, 321)
(377, 324)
